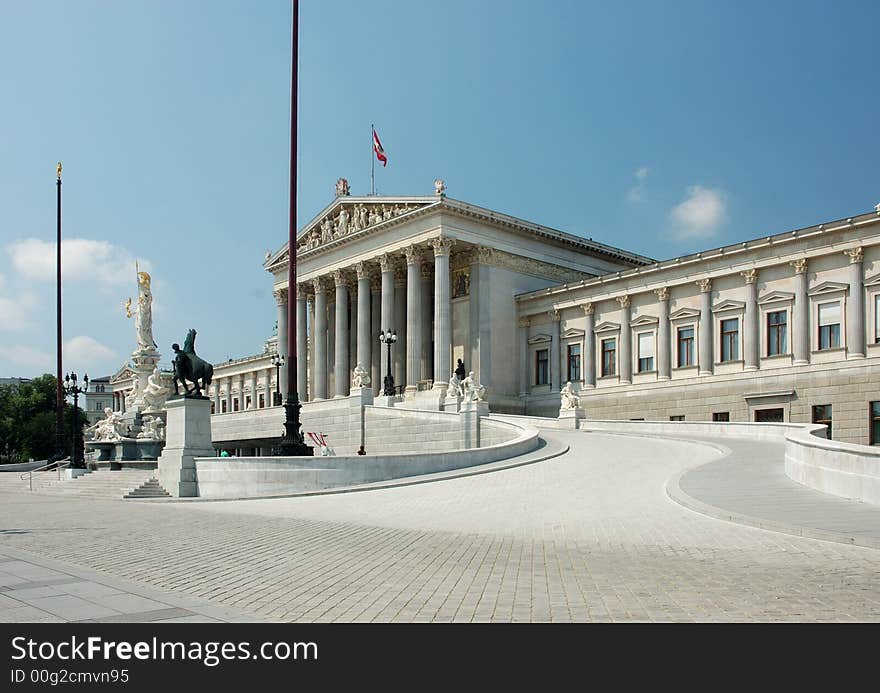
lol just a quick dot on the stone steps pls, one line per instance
(103, 484)
(149, 489)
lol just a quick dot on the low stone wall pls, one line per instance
(250, 477)
(755, 431)
(398, 430)
(840, 469)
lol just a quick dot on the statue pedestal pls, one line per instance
(571, 416)
(144, 362)
(452, 403)
(187, 436)
(385, 400)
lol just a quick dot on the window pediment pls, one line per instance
(645, 321)
(607, 326)
(685, 314)
(540, 339)
(572, 333)
(873, 280)
(828, 288)
(728, 305)
(776, 297)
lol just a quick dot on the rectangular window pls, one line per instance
(262, 400)
(609, 357)
(721, 416)
(777, 333)
(574, 362)
(685, 346)
(677, 417)
(646, 351)
(542, 366)
(770, 416)
(247, 402)
(875, 423)
(829, 325)
(730, 339)
(223, 407)
(822, 415)
(212, 408)
(877, 319)
(235, 404)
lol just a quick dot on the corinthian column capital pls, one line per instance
(855, 255)
(442, 246)
(800, 266)
(705, 285)
(662, 293)
(751, 276)
(280, 296)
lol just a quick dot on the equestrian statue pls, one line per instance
(188, 366)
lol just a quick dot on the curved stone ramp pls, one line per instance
(547, 449)
(749, 486)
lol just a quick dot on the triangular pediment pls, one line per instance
(540, 339)
(873, 280)
(828, 288)
(124, 373)
(685, 313)
(728, 304)
(644, 321)
(776, 297)
(571, 333)
(607, 326)
(349, 216)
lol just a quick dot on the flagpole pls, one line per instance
(372, 159)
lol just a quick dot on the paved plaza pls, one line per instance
(588, 535)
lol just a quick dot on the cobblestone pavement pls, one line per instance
(587, 536)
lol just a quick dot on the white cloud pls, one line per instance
(16, 312)
(701, 213)
(85, 354)
(635, 193)
(81, 258)
(30, 361)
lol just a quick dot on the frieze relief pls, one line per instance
(348, 219)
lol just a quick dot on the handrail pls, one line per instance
(59, 464)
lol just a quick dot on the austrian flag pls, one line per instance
(377, 147)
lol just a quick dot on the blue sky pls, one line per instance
(661, 128)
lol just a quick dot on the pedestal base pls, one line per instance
(451, 404)
(571, 416)
(188, 435)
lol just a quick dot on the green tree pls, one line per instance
(27, 420)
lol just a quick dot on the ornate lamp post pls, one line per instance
(277, 361)
(388, 338)
(71, 388)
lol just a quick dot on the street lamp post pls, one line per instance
(71, 388)
(388, 338)
(277, 361)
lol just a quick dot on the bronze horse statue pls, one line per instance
(188, 366)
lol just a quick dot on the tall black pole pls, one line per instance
(293, 443)
(59, 390)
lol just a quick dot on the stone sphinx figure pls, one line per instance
(360, 377)
(569, 399)
(473, 391)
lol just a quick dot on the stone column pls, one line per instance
(301, 350)
(255, 400)
(588, 358)
(375, 328)
(364, 342)
(343, 378)
(229, 394)
(800, 334)
(664, 362)
(413, 319)
(268, 395)
(751, 328)
(398, 351)
(855, 305)
(707, 329)
(555, 377)
(426, 368)
(241, 392)
(386, 264)
(281, 302)
(442, 313)
(624, 353)
(352, 329)
(216, 397)
(320, 363)
(524, 356)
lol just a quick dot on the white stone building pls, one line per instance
(785, 327)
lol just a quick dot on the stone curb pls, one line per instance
(675, 493)
(549, 451)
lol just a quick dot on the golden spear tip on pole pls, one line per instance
(58, 170)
